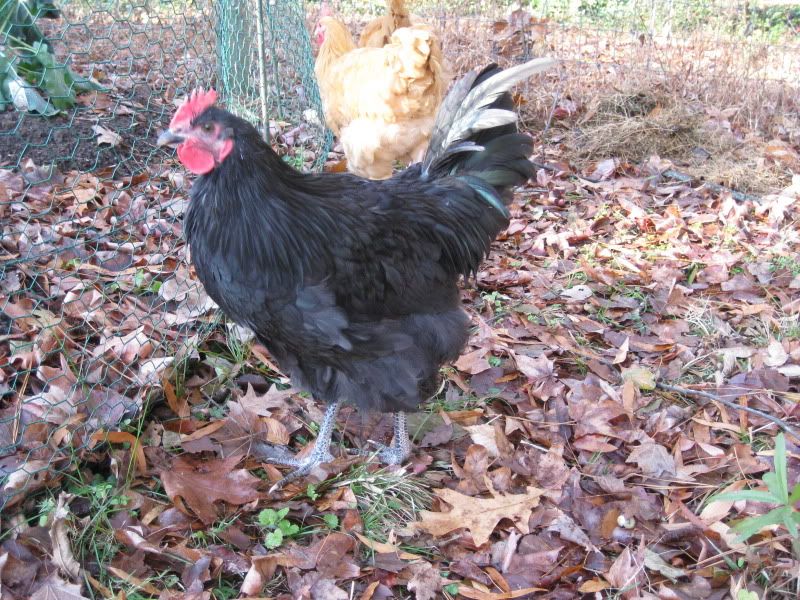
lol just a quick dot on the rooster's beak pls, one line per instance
(167, 138)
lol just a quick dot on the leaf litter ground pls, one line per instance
(556, 466)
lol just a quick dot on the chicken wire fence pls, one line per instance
(96, 299)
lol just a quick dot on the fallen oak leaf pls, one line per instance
(104, 591)
(326, 589)
(55, 588)
(484, 435)
(262, 569)
(535, 369)
(592, 586)
(479, 515)
(579, 293)
(654, 460)
(203, 431)
(201, 483)
(384, 548)
(369, 592)
(106, 136)
(625, 572)
(329, 555)
(59, 538)
(473, 362)
(622, 353)
(474, 594)
(425, 581)
(180, 406)
(775, 355)
(568, 530)
(654, 562)
(642, 377)
(122, 437)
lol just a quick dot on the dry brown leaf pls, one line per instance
(578, 293)
(264, 404)
(655, 562)
(106, 136)
(654, 460)
(622, 353)
(479, 515)
(782, 152)
(475, 594)
(592, 586)
(644, 378)
(330, 555)
(180, 406)
(484, 435)
(201, 483)
(425, 581)
(473, 362)
(384, 548)
(775, 355)
(123, 437)
(56, 588)
(59, 537)
(369, 592)
(326, 589)
(625, 572)
(536, 368)
(568, 530)
(262, 568)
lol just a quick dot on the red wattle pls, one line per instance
(196, 158)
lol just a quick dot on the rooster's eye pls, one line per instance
(208, 127)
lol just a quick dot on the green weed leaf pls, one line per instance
(274, 539)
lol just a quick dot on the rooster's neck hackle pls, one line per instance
(338, 41)
(252, 209)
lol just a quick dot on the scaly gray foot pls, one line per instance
(394, 454)
(279, 455)
(399, 450)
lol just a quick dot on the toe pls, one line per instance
(392, 456)
(273, 454)
(306, 467)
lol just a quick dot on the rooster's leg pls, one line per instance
(302, 466)
(400, 448)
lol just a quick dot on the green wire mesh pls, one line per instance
(96, 301)
(266, 74)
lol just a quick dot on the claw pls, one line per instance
(303, 467)
(394, 454)
(276, 455)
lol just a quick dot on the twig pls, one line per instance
(714, 187)
(732, 405)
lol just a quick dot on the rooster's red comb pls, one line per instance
(194, 105)
(325, 10)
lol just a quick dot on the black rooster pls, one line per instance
(350, 283)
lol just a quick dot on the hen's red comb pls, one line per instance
(197, 102)
(325, 10)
